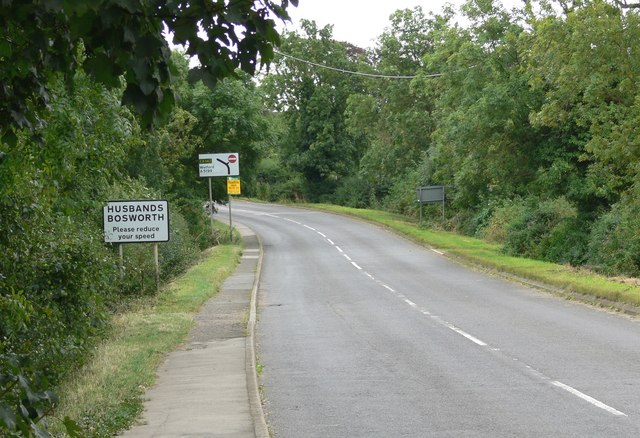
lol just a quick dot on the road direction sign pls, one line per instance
(225, 164)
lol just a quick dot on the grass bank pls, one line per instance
(104, 397)
(615, 292)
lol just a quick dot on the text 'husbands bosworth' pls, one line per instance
(133, 213)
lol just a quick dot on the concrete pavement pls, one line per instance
(208, 387)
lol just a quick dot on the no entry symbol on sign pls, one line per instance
(232, 158)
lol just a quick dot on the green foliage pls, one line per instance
(115, 39)
(614, 247)
(547, 230)
(317, 144)
(230, 118)
(275, 183)
(354, 192)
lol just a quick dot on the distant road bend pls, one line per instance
(364, 334)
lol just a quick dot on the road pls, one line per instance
(365, 334)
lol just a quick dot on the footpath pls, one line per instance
(209, 387)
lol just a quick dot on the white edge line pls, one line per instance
(312, 229)
(322, 234)
(589, 399)
(356, 265)
(347, 257)
(330, 241)
(437, 252)
(339, 249)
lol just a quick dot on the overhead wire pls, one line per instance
(356, 73)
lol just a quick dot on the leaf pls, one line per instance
(102, 69)
(39, 432)
(10, 138)
(5, 49)
(8, 417)
(72, 428)
(147, 87)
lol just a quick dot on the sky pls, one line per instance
(360, 22)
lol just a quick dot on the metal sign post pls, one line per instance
(155, 259)
(230, 222)
(211, 209)
(233, 188)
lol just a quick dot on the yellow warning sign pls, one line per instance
(233, 186)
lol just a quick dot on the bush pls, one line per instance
(495, 229)
(354, 192)
(197, 220)
(402, 195)
(614, 244)
(56, 276)
(548, 230)
(290, 188)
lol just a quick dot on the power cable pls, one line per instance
(357, 73)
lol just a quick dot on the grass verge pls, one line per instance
(605, 290)
(105, 396)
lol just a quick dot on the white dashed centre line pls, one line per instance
(589, 399)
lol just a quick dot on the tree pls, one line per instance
(394, 116)
(313, 100)
(121, 43)
(483, 143)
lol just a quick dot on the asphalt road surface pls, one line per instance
(364, 334)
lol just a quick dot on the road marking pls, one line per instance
(388, 288)
(411, 303)
(589, 399)
(468, 336)
(437, 252)
(332, 243)
(369, 275)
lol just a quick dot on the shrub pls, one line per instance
(614, 244)
(547, 230)
(495, 229)
(354, 192)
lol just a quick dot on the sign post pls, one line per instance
(137, 222)
(430, 195)
(233, 188)
(225, 164)
(210, 209)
